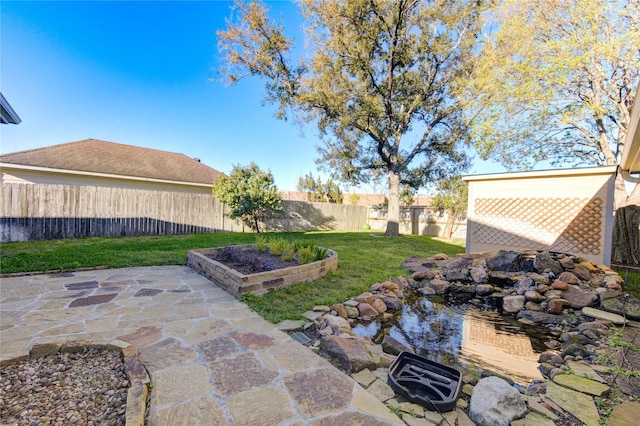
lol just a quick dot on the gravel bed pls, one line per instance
(83, 388)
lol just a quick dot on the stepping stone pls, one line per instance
(364, 377)
(580, 384)
(312, 315)
(624, 414)
(576, 403)
(92, 300)
(536, 406)
(583, 370)
(533, 419)
(598, 314)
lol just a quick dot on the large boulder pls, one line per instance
(507, 261)
(621, 303)
(349, 355)
(579, 298)
(495, 403)
(337, 323)
(393, 346)
(544, 262)
(541, 317)
(513, 304)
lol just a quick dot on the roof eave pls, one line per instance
(7, 114)
(630, 160)
(104, 175)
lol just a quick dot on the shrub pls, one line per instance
(261, 243)
(320, 253)
(276, 246)
(288, 252)
(306, 255)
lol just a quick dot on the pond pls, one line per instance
(464, 336)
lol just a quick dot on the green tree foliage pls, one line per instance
(407, 195)
(451, 198)
(328, 192)
(250, 193)
(380, 78)
(556, 81)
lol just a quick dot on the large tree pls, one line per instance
(380, 78)
(556, 81)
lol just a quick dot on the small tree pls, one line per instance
(451, 198)
(320, 192)
(250, 193)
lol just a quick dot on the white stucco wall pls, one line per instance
(24, 174)
(568, 211)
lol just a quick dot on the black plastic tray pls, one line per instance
(428, 383)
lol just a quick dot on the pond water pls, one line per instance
(464, 336)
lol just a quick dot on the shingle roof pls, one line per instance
(91, 155)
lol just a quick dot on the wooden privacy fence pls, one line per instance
(37, 212)
(40, 212)
(418, 220)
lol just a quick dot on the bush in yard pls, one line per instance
(250, 193)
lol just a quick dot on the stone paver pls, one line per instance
(210, 358)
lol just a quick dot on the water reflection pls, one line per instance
(463, 335)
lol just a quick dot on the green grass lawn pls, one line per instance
(631, 281)
(363, 259)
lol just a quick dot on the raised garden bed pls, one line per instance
(238, 283)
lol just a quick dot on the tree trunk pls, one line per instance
(393, 214)
(449, 228)
(620, 192)
(626, 236)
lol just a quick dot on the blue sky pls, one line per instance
(144, 74)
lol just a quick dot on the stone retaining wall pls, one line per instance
(239, 284)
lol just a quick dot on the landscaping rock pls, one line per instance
(379, 306)
(625, 414)
(513, 304)
(348, 354)
(394, 347)
(440, 286)
(569, 278)
(579, 298)
(583, 370)
(541, 317)
(393, 303)
(621, 304)
(576, 403)
(555, 306)
(340, 310)
(560, 285)
(495, 403)
(543, 262)
(581, 384)
(603, 315)
(365, 298)
(478, 274)
(338, 324)
(484, 289)
(290, 325)
(507, 261)
(352, 312)
(366, 311)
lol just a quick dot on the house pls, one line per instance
(7, 114)
(93, 162)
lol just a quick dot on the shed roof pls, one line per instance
(630, 161)
(96, 156)
(7, 114)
